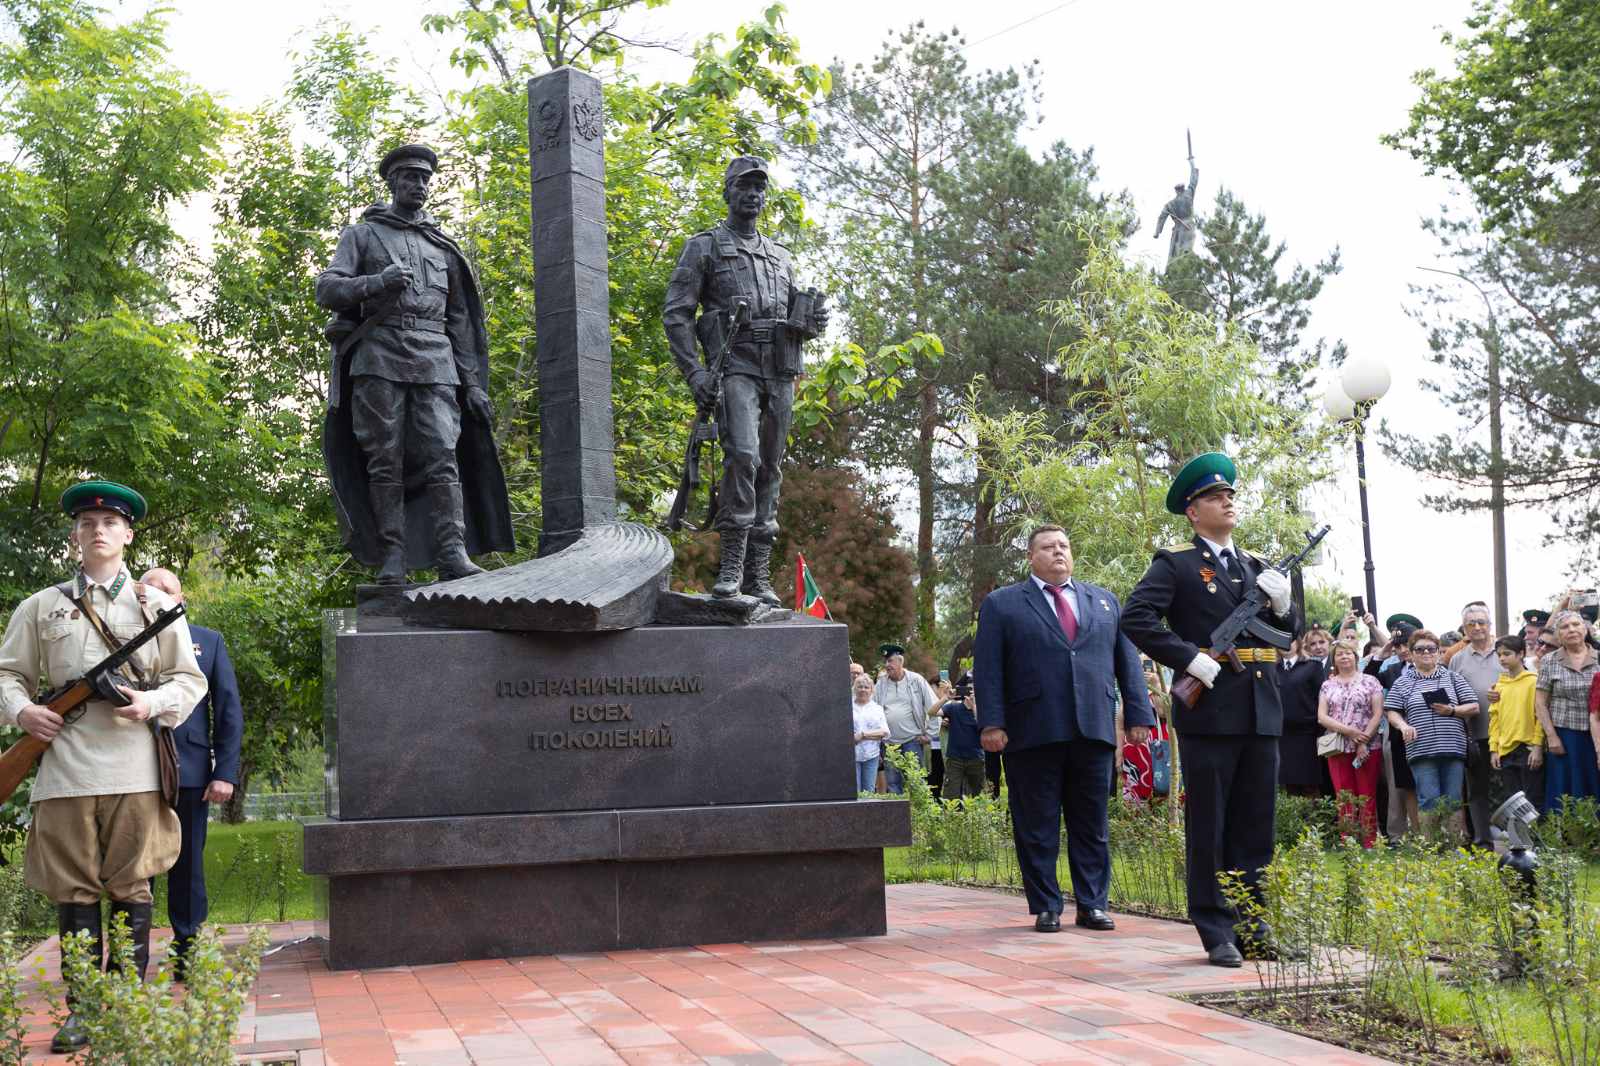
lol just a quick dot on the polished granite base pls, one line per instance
(503, 794)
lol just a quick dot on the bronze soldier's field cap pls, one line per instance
(742, 165)
(103, 496)
(409, 155)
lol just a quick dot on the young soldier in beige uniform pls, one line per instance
(100, 826)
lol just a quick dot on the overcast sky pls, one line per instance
(1286, 102)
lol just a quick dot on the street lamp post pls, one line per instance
(1349, 399)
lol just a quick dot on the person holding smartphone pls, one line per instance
(1430, 705)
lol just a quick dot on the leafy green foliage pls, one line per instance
(97, 374)
(135, 1023)
(1514, 118)
(892, 136)
(272, 623)
(847, 534)
(1531, 307)
(1237, 277)
(1153, 385)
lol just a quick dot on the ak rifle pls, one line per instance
(1246, 618)
(98, 683)
(704, 429)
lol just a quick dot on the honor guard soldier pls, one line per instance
(408, 414)
(100, 825)
(1228, 742)
(729, 264)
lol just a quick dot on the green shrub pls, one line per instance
(13, 1011)
(134, 1023)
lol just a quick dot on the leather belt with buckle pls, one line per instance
(426, 325)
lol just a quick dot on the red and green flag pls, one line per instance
(807, 596)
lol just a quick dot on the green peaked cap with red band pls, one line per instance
(104, 496)
(1200, 475)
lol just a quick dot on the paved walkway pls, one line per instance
(961, 978)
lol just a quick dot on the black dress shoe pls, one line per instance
(1271, 951)
(1047, 922)
(1225, 955)
(1095, 918)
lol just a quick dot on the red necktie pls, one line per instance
(1064, 615)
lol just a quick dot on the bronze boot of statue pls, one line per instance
(757, 568)
(389, 530)
(449, 550)
(730, 568)
(72, 918)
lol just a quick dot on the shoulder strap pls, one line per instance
(106, 635)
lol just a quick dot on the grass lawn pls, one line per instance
(252, 875)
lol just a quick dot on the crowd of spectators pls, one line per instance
(1422, 731)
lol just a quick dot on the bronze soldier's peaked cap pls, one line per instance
(409, 155)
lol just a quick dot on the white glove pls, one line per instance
(1275, 583)
(1204, 669)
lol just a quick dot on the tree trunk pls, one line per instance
(985, 537)
(927, 570)
(233, 810)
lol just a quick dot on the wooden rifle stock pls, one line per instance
(1188, 689)
(18, 761)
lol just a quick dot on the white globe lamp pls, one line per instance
(1365, 380)
(1337, 402)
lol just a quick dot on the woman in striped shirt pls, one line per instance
(1430, 704)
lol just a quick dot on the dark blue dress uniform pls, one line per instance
(208, 750)
(1228, 744)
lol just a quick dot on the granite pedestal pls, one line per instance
(494, 793)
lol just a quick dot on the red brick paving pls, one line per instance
(961, 979)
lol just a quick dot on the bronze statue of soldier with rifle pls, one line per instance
(407, 438)
(747, 380)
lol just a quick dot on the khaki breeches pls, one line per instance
(83, 847)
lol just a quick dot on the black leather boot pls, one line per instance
(138, 916)
(389, 517)
(449, 547)
(73, 918)
(730, 568)
(757, 572)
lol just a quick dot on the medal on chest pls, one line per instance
(1209, 575)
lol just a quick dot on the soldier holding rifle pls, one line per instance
(723, 266)
(1228, 735)
(100, 825)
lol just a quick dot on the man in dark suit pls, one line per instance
(1228, 743)
(208, 771)
(1048, 662)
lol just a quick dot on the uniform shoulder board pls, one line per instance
(1186, 546)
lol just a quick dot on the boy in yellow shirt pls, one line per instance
(1516, 743)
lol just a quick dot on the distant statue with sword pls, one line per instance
(1181, 210)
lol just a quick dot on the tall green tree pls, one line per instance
(1533, 305)
(300, 169)
(99, 374)
(1514, 117)
(889, 131)
(1154, 383)
(1238, 275)
(1012, 231)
